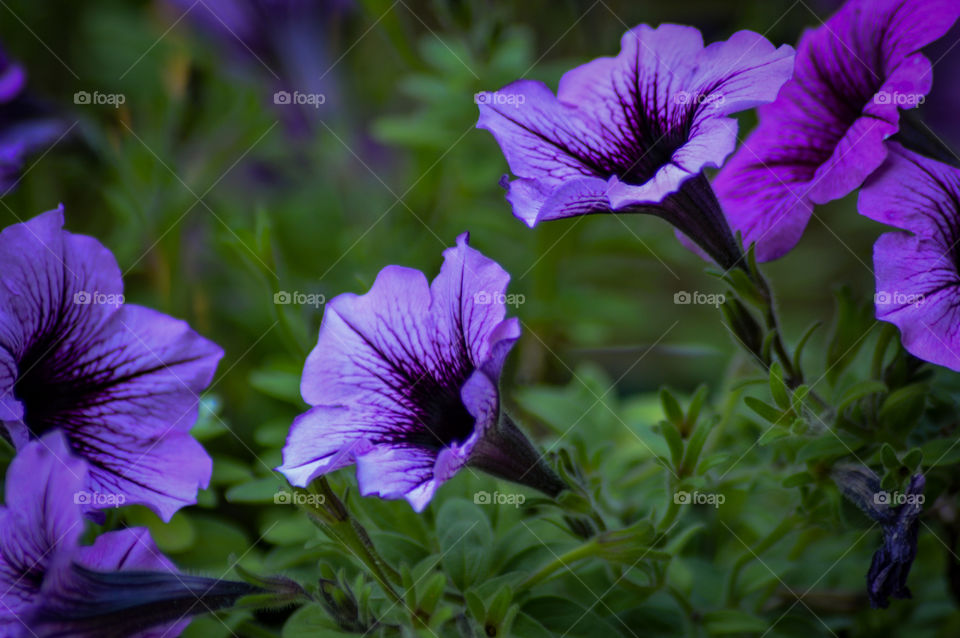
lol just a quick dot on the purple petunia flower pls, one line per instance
(25, 126)
(404, 383)
(51, 586)
(635, 132)
(120, 381)
(825, 132)
(899, 516)
(918, 281)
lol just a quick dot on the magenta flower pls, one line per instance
(120, 381)
(825, 132)
(121, 586)
(635, 132)
(918, 283)
(404, 383)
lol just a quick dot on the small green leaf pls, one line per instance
(696, 404)
(765, 410)
(671, 407)
(672, 437)
(733, 621)
(466, 542)
(858, 391)
(778, 389)
(889, 457)
(913, 459)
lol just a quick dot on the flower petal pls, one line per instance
(40, 524)
(825, 132)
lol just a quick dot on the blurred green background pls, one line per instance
(214, 199)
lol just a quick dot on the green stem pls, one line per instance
(578, 553)
(332, 517)
(669, 516)
(782, 529)
(690, 614)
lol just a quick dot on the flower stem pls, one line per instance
(586, 550)
(782, 529)
(333, 518)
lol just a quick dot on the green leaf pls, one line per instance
(778, 389)
(798, 479)
(262, 490)
(430, 592)
(466, 541)
(696, 405)
(695, 446)
(279, 384)
(733, 621)
(903, 407)
(853, 320)
(889, 457)
(860, 390)
(765, 410)
(311, 621)
(828, 446)
(671, 407)
(802, 344)
(672, 437)
(913, 459)
(476, 605)
(941, 452)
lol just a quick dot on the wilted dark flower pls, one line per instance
(120, 381)
(404, 383)
(635, 132)
(918, 281)
(825, 132)
(899, 515)
(25, 126)
(121, 586)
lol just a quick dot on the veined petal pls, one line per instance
(826, 131)
(403, 380)
(918, 283)
(40, 523)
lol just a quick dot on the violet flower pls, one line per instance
(825, 132)
(404, 382)
(899, 516)
(635, 132)
(121, 586)
(120, 381)
(918, 282)
(25, 126)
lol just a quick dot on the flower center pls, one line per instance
(47, 387)
(441, 415)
